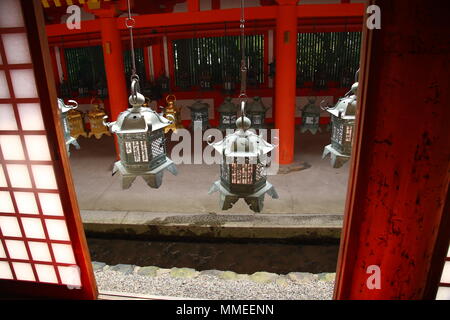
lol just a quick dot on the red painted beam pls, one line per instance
(90, 26)
(215, 16)
(400, 168)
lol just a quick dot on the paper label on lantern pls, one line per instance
(128, 147)
(136, 151)
(198, 125)
(144, 151)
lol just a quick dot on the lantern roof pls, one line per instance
(139, 120)
(243, 143)
(198, 105)
(256, 105)
(228, 106)
(345, 108)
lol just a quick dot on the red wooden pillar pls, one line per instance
(114, 67)
(193, 5)
(400, 162)
(285, 86)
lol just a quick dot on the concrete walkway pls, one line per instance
(319, 189)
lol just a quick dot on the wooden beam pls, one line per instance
(316, 11)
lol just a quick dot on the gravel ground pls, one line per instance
(215, 284)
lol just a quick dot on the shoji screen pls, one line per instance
(444, 285)
(43, 250)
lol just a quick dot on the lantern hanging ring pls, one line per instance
(134, 88)
(74, 104)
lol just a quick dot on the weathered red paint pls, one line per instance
(400, 162)
(285, 78)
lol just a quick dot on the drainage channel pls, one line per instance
(240, 257)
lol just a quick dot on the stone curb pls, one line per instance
(261, 277)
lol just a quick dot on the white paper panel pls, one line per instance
(443, 293)
(39, 251)
(30, 116)
(445, 278)
(5, 270)
(24, 84)
(23, 271)
(448, 252)
(7, 118)
(2, 251)
(11, 147)
(10, 14)
(70, 275)
(16, 249)
(16, 48)
(18, 175)
(37, 148)
(33, 228)
(63, 253)
(2, 178)
(6, 204)
(26, 202)
(57, 229)
(4, 90)
(51, 204)
(10, 227)
(44, 176)
(46, 273)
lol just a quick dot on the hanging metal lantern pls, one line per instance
(76, 123)
(172, 112)
(199, 115)
(256, 111)
(102, 89)
(311, 117)
(140, 133)
(342, 128)
(205, 81)
(164, 83)
(228, 114)
(245, 157)
(228, 85)
(63, 110)
(320, 80)
(95, 117)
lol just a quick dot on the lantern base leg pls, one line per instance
(337, 159)
(312, 130)
(153, 178)
(255, 200)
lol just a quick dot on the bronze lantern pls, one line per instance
(311, 117)
(199, 115)
(342, 128)
(95, 117)
(172, 112)
(140, 133)
(63, 110)
(257, 113)
(245, 156)
(76, 123)
(228, 114)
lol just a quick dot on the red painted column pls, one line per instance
(193, 5)
(114, 67)
(285, 83)
(400, 169)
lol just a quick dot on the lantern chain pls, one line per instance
(243, 93)
(129, 23)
